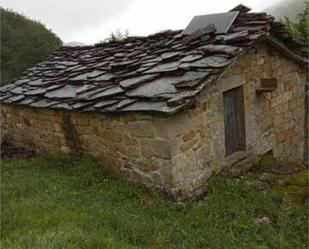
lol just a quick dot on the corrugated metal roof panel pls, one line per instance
(222, 22)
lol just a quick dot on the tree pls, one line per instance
(24, 42)
(300, 27)
(118, 35)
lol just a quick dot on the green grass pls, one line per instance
(54, 203)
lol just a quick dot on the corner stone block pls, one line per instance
(65, 149)
(172, 126)
(148, 166)
(194, 112)
(188, 136)
(167, 173)
(155, 148)
(142, 129)
(188, 145)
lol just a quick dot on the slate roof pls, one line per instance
(159, 73)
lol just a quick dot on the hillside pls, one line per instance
(286, 8)
(24, 42)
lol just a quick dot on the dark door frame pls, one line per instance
(234, 120)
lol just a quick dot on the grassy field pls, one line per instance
(54, 203)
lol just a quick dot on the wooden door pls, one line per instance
(234, 120)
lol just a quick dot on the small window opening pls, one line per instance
(267, 85)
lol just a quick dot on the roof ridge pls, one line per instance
(161, 72)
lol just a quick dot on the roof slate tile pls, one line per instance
(159, 73)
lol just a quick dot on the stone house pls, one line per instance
(170, 109)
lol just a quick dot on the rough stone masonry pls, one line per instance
(178, 153)
(171, 109)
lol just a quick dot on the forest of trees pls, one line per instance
(24, 43)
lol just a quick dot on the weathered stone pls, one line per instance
(156, 178)
(169, 55)
(194, 112)
(67, 91)
(37, 91)
(155, 148)
(191, 79)
(155, 88)
(116, 90)
(188, 145)
(105, 103)
(148, 166)
(136, 176)
(215, 61)
(180, 152)
(188, 136)
(220, 49)
(166, 67)
(203, 107)
(236, 36)
(142, 129)
(266, 177)
(192, 57)
(133, 82)
(65, 149)
(262, 220)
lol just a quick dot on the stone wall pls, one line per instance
(129, 144)
(274, 121)
(178, 153)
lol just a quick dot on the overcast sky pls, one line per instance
(90, 21)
